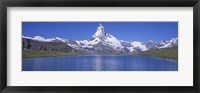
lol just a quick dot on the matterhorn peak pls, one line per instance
(100, 24)
(100, 32)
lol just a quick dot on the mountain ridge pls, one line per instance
(101, 42)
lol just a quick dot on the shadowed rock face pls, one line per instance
(46, 46)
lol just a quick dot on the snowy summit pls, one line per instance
(100, 32)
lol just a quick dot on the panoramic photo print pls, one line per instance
(99, 46)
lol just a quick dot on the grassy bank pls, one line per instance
(36, 53)
(167, 53)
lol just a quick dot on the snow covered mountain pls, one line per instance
(105, 43)
(101, 37)
(42, 39)
(143, 46)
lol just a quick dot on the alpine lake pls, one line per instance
(99, 63)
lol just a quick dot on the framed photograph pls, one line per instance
(100, 46)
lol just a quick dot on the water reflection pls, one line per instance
(99, 63)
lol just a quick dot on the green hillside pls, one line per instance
(168, 53)
(37, 53)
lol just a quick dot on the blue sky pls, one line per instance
(128, 31)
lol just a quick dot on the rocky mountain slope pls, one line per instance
(103, 43)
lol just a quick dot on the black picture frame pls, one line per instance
(100, 3)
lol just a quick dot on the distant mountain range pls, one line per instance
(103, 43)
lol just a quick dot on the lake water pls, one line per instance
(99, 63)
